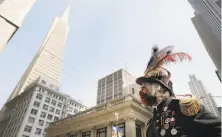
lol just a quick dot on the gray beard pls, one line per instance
(155, 97)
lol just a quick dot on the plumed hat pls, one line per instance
(155, 71)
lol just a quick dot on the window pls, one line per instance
(46, 124)
(75, 135)
(57, 111)
(31, 120)
(38, 131)
(39, 96)
(75, 111)
(45, 107)
(86, 134)
(47, 99)
(138, 131)
(28, 129)
(43, 82)
(51, 85)
(51, 109)
(24, 136)
(44, 133)
(56, 118)
(218, 3)
(133, 91)
(120, 94)
(34, 111)
(57, 88)
(43, 114)
(101, 132)
(36, 104)
(49, 117)
(53, 102)
(59, 105)
(41, 122)
(121, 129)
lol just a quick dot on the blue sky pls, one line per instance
(104, 35)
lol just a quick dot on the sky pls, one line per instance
(106, 36)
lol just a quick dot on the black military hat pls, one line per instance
(156, 73)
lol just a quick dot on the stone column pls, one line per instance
(130, 127)
(143, 129)
(93, 132)
(79, 134)
(109, 130)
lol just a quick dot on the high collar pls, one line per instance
(161, 104)
(159, 107)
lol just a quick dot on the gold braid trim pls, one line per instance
(153, 73)
(190, 107)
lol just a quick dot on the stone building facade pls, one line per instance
(29, 114)
(127, 112)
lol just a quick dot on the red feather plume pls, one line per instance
(175, 57)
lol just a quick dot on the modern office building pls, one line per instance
(12, 14)
(219, 109)
(211, 13)
(218, 75)
(29, 114)
(213, 103)
(126, 115)
(197, 88)
(207, 21)
(132, 89)
(48, 60)
(111, 86)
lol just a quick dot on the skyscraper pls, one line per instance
(48, 60)
(213, 103)
(206, 99)
(211, 13)
(207, 21)
(113, 85)
(12, 14)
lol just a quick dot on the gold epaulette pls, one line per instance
(189, 105)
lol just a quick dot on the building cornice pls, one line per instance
(103, 106)
(102, 115)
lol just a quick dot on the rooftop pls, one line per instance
(97, 108)
(37, 82)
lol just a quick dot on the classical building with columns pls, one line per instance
(127, 112)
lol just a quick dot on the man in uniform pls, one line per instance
(173, 116)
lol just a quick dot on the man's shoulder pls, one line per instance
(188, 105)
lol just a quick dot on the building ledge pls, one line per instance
(102, 107)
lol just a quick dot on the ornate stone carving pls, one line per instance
(143, 124)
(93, 128)
(108, 123)
(130, 119)
(79, 131)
